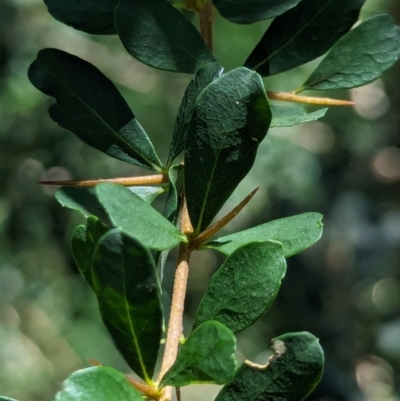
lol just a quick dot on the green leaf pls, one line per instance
(158, 35)
(126, 210)
(207, 356)
(295, 233)
(302, 34)
(6, 399)
(89, 105)
(283, 116)
(249, 11)
(359, 57)
(91, 16)
(290, 374)
(129, 295)
(244, 287)
(148, 194)
(203, 77)
(99, 383)
(230, 119)
(175, 177)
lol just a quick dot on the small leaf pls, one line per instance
(207, 356)
(129, 295)
(203, 77)
(158, 35)
(91, 16)
(138, 218)
(98, 383)
(171, 209)
(283, 116)
(148, 194)
(295, 233)
(290, 374)
(302, 34)
(230, 119)
(249, 11)
(359, 57)
(89, 105)
(244, 287)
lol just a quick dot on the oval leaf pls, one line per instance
(89, 105)
(244, 287)
(230, 119)
(283, 116)
(128, 291)
(359, 57)
(295, 233)
(302, 34)
(158, 35)
(207, 356)
(290, 374)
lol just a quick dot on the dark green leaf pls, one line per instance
(158, 35)
(244, 287)
(203, 77)
(230, 119)
(129, 295)
(138, 218)
(91, 16)
(295, 233)
(99, 383)
(207, 356)
(359, 57)
(290, 374)
(89, 105)
(171, 209)
(283, 116)
(249, 11)
(302, 34)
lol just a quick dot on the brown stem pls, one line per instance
(320, 101)
(206, 17)
(144, 388)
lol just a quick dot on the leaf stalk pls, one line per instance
(318, 101)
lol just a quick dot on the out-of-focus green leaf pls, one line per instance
(295, 233)
(230, 119)
(207, 356)
(359, 57)
(99, 383)
(283, 116)
(158, 35)
(129, 295)
(6, 399)
(91, 16)
(302, 34)
(128, 211)
(89, 105)
(244, 287)
(290, 374)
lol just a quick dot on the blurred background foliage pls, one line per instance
(345, 290)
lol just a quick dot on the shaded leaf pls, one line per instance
(290, 374)
(99, 383)
(158, 35)
(207, 356)
(359, 57)
(302, 34)
(128, 211)
(230, 119)
(244, 287)
(171, 209)
(129, 295)
(283, 116)
(89, 105)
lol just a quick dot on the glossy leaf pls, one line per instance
(129, 295)
(91, 16)
(244, 287)
(203, 77)
(302, 34)
(158, 35)
(99, 383)
(89, 105)
(295, 233)
(290, 374)
(359, 57)
(230, 119)
(128, 211)
(148, 194)
(249, 11)
(207, 356)
(287, 116)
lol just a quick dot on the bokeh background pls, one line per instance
(346, 289)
